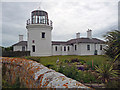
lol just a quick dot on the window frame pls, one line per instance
(23, 48)
(75, 47)
(101, 47)
(43, 35)
(68, 48)
(64, 48)
(33, 41)
(33, 48)
(56, 48)
(88, 47)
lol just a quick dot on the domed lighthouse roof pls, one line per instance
(39, 17)
(39, 13)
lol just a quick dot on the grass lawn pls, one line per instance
(51, 60)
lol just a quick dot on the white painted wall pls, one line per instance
(58, 52)
(70, 52)
(18, 48)
(100, 52)
(81, 49)
(42, 45)
(64, 52)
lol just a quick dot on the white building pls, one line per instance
(39, 40)
(21, 45)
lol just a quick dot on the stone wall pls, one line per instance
(15, 53)
(34, 75)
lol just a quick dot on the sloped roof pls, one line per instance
(79, 40)
(58, 42)
(21, 43)
(69, 42)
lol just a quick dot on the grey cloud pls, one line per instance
(68, 18)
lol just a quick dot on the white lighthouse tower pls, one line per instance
(39, 34)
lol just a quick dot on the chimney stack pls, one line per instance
(20, 38)
(78, 35)
(89, 34)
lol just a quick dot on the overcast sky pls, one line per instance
(68, 16)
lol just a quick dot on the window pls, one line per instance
(33, 19)
(64, 48)
(88, 47)
(33, 41)
(42, 19)
(33, 48)
(23, 48)
(43, 34)
(68, 48)
(36, 19)
(100, 47)
(55, 48)
(75, 47)
(39, 19)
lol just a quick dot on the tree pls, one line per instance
(9, 48)
(113, 44)
(105, 72)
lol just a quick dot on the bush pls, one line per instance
(66, 61)
(72, 72)
(82, 61)
(113, 84)
(77, 60)
(74, 60)
(69, 71)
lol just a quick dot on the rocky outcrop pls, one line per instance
(34, 75)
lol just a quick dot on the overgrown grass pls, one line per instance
(51, 60)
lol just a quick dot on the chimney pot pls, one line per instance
(89, 34)
(78, 35)
(20, 38)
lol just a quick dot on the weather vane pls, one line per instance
(40, 4)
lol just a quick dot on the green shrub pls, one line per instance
(113, 84)
(69, 71)
(82, 61)
(72, 72)
(66, 61)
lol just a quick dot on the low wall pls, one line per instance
(34, 75)
(15, 53)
